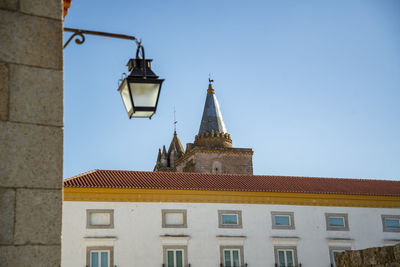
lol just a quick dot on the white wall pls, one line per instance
(137, 228)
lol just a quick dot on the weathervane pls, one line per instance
(175, 121)
(209, 78)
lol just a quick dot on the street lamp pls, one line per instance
(140, 90)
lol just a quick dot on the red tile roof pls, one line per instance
(232, 182)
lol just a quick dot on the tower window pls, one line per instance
(216, 167)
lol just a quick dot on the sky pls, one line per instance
(313, 87)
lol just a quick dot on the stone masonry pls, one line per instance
(211, 151)
(31, 132)
(388, 256)
(233, 161)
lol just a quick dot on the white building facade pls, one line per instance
(171, 227)
(138, 236)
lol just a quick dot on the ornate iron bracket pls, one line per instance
(79, 34)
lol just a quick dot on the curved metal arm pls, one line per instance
(80, 33)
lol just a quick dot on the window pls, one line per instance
(175, 256)
(336, 222)
(232, 256)
(335, 250)
(285, 256)
(230, 219)
(99, 257)
(391, 223)
(282, 220)
(174, 218)
(99, 218)
(216, 167)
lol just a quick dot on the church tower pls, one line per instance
(212, 150)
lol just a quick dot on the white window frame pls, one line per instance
(237, 213)
(291, 225)
(344, 216)
(174, 249)
(285, 249)
(174, 252)
(392, 217)
(109, 250)
(231, 249)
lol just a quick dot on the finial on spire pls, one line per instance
(175, 121)
(210, 89)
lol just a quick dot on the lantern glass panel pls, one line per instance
(144, 94)
(126, 98)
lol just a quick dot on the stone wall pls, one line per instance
(31, 132)
(388, 256)
(227, 162)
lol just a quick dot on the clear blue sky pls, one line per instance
(312, 86)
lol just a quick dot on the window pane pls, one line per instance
(174, 218)
(227, 256)
(126, 98)
(282, 220)
(100, 218)
(229, 219)
(179, 258)
(144, 94)
(94, 259)
(289, 258)
(235, 256)
(392, 223)
(281, 258)
(104, 259)
(336, 221)
(170, 258)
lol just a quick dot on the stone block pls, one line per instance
(9, 4)
(396, 253)
(38, 216)
(36, 95)
(30, 40)
(3, 92)
(43, 256)
(7, 204)
(46, 8)
(31, 155)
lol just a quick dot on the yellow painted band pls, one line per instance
(242, 197)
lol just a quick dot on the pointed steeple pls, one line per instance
(212, 132)
(166, 160)
(159, 156)
(176, 146)
(212, 116)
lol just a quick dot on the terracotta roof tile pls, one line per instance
(232, 182)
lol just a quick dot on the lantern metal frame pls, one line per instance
(140, 72)
(140, 67)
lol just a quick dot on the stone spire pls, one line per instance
(212, 132)
(176, 146)
(166, 160)
(212, 117)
